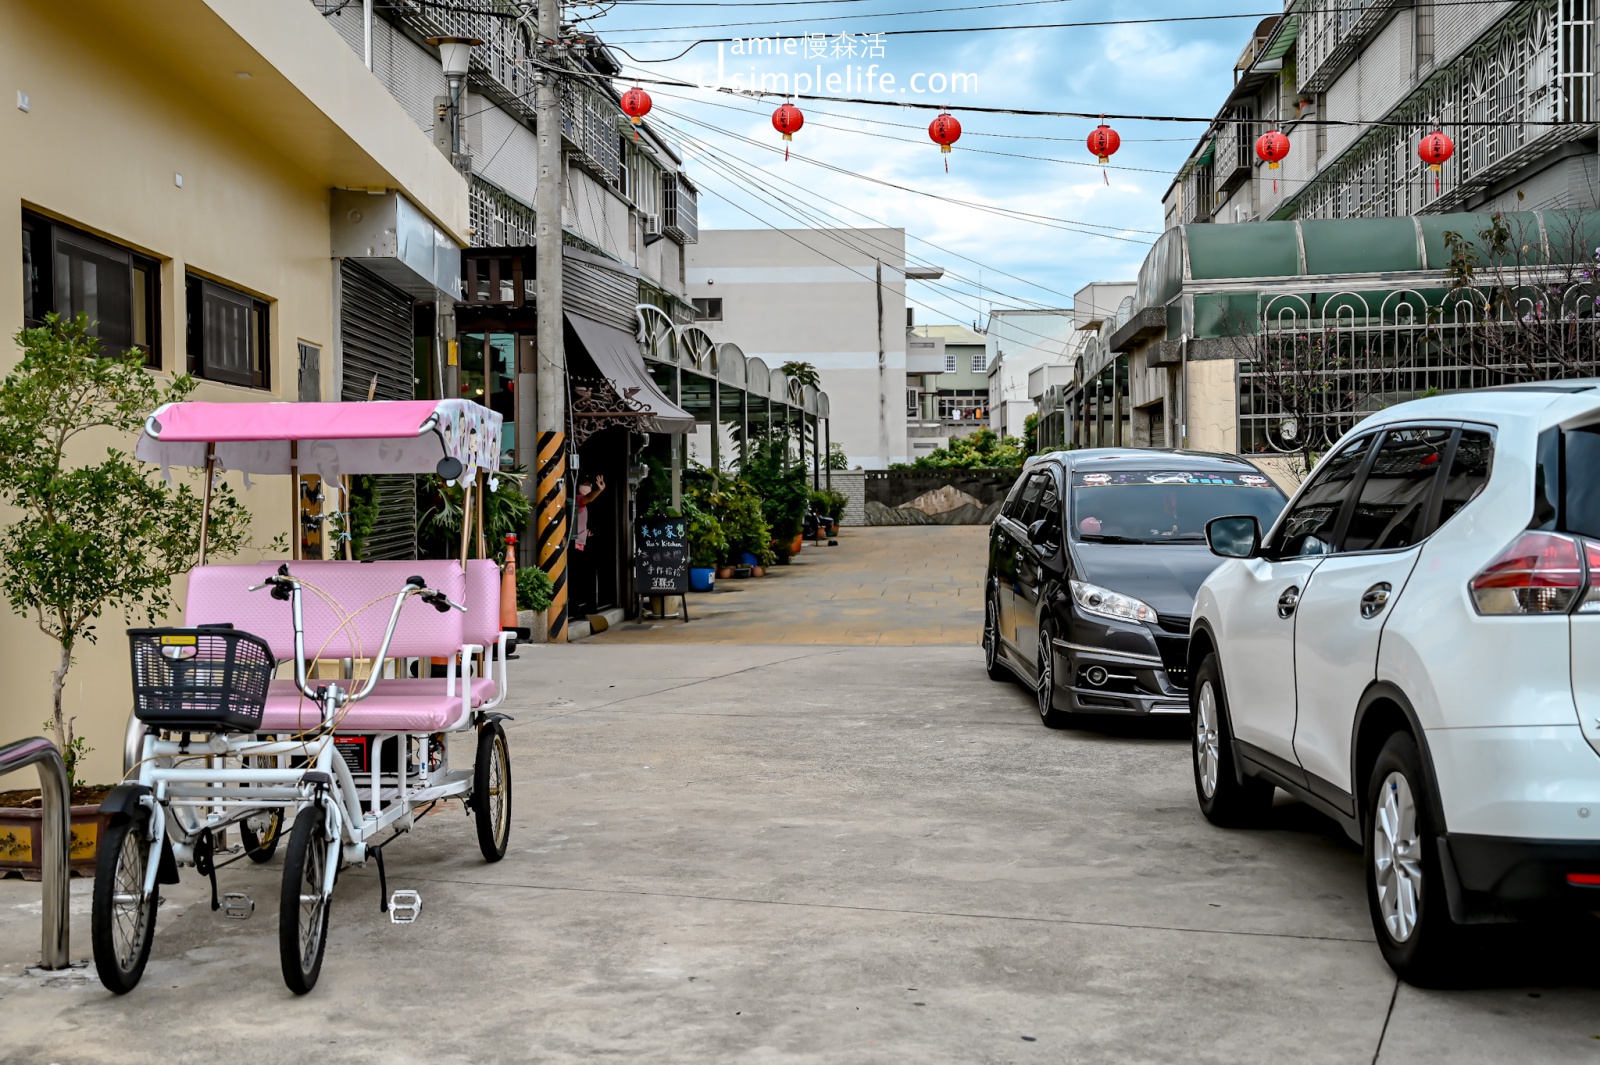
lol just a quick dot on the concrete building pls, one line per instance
(1523, 71)
(835, 298)
(1094, 309)
(953, 399)
(1018, 341)
(193, 152)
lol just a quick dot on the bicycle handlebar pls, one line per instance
(285, 585)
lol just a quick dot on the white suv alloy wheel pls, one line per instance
(1206, 747)
(1397, 857)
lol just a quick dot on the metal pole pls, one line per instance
(744, 423)
(294, 500)
(678, 442)
(716, 428)
(366, 32)
(205, 501)
(551, 365)
(827, 449)
(56, 826)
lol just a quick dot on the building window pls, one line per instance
(949, 362)
(708, 310)
(66, 271)
(980, 363)
(228, 338)
(913, 402)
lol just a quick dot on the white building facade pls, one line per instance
(1019, 341)
(835, 298)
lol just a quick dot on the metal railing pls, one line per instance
(55, 826)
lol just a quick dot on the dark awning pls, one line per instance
(617, 356)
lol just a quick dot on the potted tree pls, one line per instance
(86, 537)
(534, 592)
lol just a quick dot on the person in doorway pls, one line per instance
(584, 591)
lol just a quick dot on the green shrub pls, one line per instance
(737, 507)
(782, 489)
(708, 543)
(533, 589)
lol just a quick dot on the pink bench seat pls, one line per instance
(483, 688)
(291, 712)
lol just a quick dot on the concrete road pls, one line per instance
(814, 854)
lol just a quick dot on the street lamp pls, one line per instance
(455, 56)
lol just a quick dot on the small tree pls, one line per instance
(101, 534)
(1530, 297)
(982, 450)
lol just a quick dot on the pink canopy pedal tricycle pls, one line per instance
(347, 763)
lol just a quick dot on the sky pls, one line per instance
(991, 260)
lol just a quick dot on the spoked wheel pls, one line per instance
(260, 834)
(991, 640)
(1225, 798)
(122, 925)
(303, 906)
(1046, 684)
(491, 792)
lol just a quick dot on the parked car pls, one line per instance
(1414, 649)
(1093, 566)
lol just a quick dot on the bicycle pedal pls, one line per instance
(238, 906)
(404, 906)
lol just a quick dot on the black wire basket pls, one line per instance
(209, 679)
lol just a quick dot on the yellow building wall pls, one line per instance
(100, 147)
(1212, 417)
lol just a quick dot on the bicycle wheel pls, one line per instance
(491, 792)
(122, 926)
(261, 847)
(303, 905)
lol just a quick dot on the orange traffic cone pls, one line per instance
(508, 586)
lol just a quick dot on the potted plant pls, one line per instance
(85, 538)
(783, 493)
(707, 544)
(737, 507)
(534, 592)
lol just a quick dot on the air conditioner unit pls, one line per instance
(652, 225)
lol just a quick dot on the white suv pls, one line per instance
(1414, 649)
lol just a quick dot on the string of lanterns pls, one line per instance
(1272, 147)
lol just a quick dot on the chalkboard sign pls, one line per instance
(661, 557)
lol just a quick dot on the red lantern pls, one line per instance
(1103, 144)
(636, 104)
(1436, 150)
(944, 131)
(787, 120)
(1273, 148)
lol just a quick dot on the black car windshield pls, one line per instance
(1163, 506)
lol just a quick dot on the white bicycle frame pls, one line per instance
(185, 802)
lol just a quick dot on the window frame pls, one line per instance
(44, 233)
(1272, 543)
(980, 362)
(196, 288)
(1430, 514)
(705, 314)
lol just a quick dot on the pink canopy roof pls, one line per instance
(386, 436)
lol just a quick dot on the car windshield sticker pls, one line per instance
(1124, 478)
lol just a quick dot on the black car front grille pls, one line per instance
(1175, 658)
(1178, 623)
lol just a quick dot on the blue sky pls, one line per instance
(1175, 68)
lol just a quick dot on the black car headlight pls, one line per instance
(1108, 604)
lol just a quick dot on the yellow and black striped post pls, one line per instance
(550, 528)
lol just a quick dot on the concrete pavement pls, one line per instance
(811, 853)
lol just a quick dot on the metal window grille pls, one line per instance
(1322, 362)
(1537, 67)
(499, 220)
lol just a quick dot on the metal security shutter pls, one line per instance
(595, 292)
(375, 327)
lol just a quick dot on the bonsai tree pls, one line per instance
(87, 535)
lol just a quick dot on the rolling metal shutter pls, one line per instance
(607, 296)
(375, 327)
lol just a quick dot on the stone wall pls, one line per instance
(936, 497)
(853, 484)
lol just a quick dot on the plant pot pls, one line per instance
(748, 558)
(796, 544)
(701, 579)
(742, 572)
(758, 571)
(833, 529)
(22, 838)
(537, 624)
(725, 572)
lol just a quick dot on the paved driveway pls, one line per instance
(812, 853)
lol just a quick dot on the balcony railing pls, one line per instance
(680, 209)
(1330, 34)
(589, 122)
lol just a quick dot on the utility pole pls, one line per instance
(550, 359)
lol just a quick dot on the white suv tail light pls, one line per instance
(1540, 573)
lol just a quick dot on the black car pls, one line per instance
(1094, 563)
